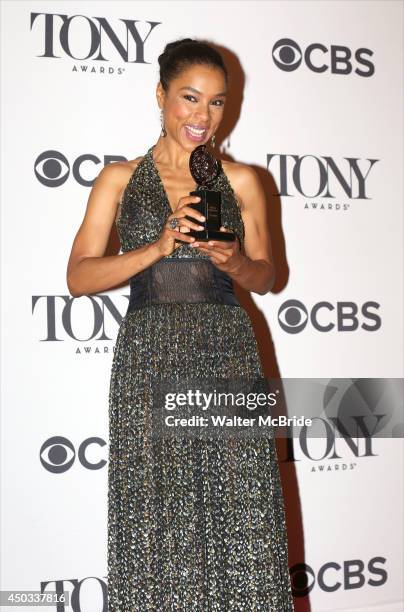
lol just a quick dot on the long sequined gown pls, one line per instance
(193, 525)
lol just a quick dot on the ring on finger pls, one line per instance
(173, 223)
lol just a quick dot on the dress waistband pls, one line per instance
(181, 280)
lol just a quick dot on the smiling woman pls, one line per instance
(195, 523)
(197, 133)
(182, 101)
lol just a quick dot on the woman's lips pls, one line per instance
(195, 134)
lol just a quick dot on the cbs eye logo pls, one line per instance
(288, 56)
(58, 454)
(52, 168)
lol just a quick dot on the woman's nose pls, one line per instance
(203, 113)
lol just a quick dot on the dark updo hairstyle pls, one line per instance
(180, 54)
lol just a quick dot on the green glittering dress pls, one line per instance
(194, 525)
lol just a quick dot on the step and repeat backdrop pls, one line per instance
(316, 108)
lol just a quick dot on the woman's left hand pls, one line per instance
(225, 255)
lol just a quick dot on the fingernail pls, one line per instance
(202, 218)
(200, 226)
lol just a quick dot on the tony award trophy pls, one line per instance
(205, 168)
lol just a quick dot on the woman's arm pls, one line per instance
(88, 271)
(254, 270)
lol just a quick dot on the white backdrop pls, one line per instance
(311, 123)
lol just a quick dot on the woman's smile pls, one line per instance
(195, 133)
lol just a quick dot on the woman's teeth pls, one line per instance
(195, 133)
(196, 130)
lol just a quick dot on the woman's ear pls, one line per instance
(160, 94)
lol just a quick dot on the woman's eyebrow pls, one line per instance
(222, 93)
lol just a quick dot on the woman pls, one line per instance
(193, 524)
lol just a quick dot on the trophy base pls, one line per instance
(210, 208)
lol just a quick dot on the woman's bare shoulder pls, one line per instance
(239, 173)
(118, 174)
(243, 178)
(119, 171)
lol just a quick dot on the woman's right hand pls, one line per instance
(169, 239)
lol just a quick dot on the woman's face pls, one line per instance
(193, 105)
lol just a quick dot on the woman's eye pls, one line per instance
(192, 99)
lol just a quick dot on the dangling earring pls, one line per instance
(213, 140)
(163, 129)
